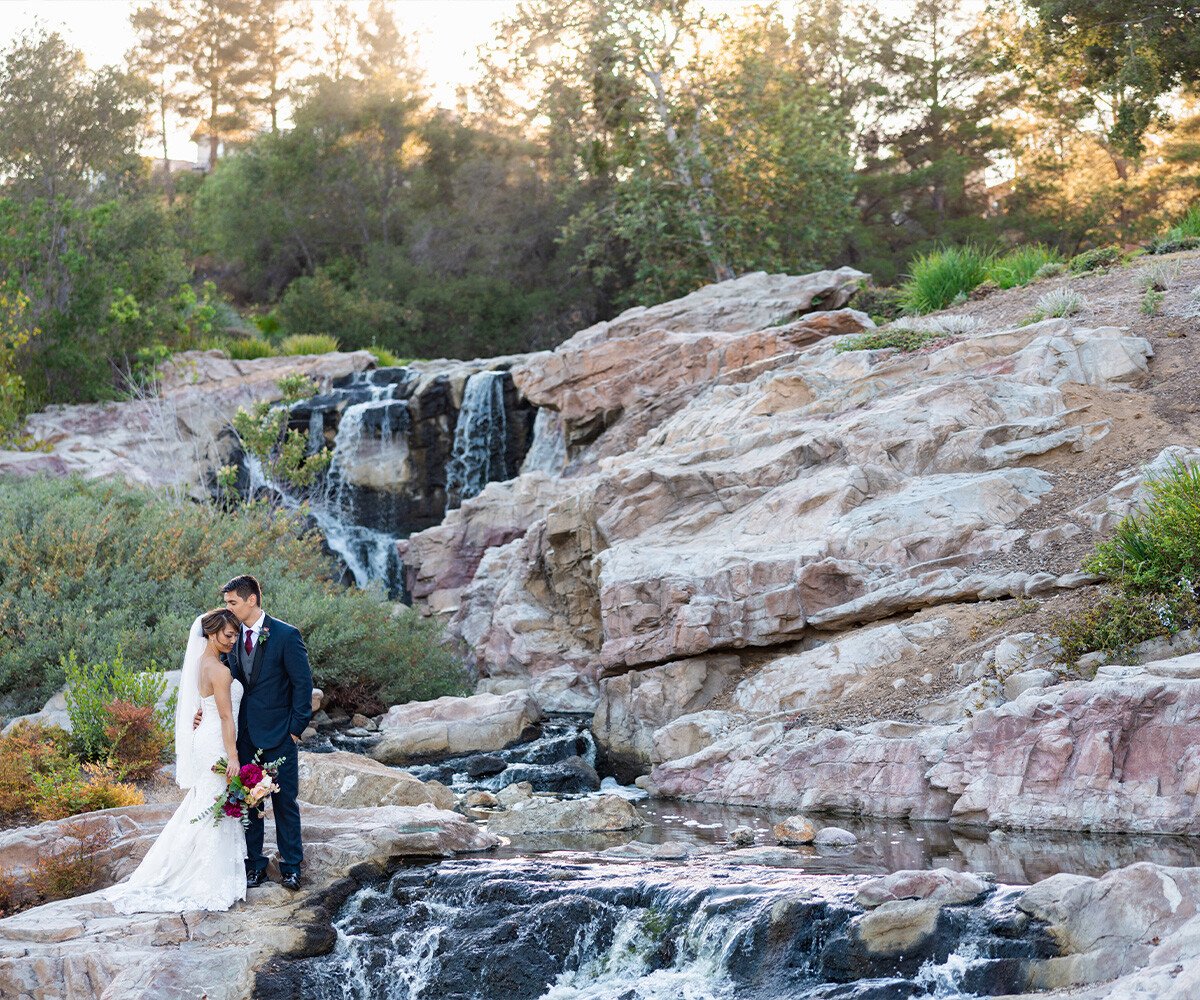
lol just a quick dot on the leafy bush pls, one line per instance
(92, 687)
(96, 565)
(881, 304)
(29, 750)
(1166, 244)
(1120, 620)
(308, 343)
(15, 333)
(1021, 265)
(1094, 260)
(83, 788)
(940, 277)
(1153, 564)
(264, 433)
(1158, 276)
(1151, 302)
(1157, 548)
(137, 738)
(901, 338)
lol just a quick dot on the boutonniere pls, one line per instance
(263, 635)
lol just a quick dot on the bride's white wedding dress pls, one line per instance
(192, 866)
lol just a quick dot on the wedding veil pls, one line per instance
(186, 706)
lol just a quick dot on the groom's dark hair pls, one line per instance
(244, 586)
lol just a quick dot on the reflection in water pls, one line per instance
(1015, 858)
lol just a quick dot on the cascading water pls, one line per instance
(566, 928)
(548, 451)
(480, 453)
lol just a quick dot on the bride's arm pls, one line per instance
(221, 682)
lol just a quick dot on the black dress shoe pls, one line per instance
(255, 879)
(291, 881)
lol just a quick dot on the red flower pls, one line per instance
(251, 775)
(232, 810)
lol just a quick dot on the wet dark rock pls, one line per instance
(485, 765)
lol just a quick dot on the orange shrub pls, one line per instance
(136, 738)
(29, 751)
(72, 870)
(91, 787)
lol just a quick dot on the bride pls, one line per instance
(200, 865)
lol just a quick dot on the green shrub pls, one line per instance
(1120, 620)
(881, 304)
(1094, 260)
(92, 687)
(96, 565)
(1021, 265)
(1056, 303)
(901, 338)
(937, 279)
(1152, 301)
(1187, 228)
(1157, 548)
(1167, 244)
(308, 343)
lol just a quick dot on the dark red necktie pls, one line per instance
(249, 644)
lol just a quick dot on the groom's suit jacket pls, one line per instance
(277, 685)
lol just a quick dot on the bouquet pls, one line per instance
(248, 791)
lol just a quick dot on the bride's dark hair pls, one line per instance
(217, 619)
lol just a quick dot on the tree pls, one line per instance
(63, 129)
(275, 31)
(383, 50)
(1138, 49)
(213, 47)
(340, 26)
(935, 126)
(153, 58)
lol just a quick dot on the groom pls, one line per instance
(271, 661)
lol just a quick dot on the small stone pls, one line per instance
(480, 799)
(743, 836)
(485, 765)
(318, 696)
(927, 679)
(794, 830)
(321, 719)
(835, 836)
(360, 721)
(510, 795)
(899, 683)
(308, 734)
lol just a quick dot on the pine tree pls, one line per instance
(276, 30)
(153, 59)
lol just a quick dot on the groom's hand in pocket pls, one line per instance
(197, 717)
(295, 739)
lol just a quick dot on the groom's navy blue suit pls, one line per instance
(276, 705)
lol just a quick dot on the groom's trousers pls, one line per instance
(283, 807)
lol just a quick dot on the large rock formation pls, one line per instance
(1117, 753)
(448, 726)
(177, 435)
(812, 489)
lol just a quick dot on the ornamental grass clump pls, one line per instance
(940, 278)
(1023, 264)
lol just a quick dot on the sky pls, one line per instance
(448, 32)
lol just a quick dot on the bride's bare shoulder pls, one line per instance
(215, 672)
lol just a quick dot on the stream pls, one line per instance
(566, 917)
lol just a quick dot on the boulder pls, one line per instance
(175, 438)
(948, 887)
(689, 734)
(54, 712)
(743, 836)
(601, 814)
(835, 836)
(451, 726)
(350, 781)
(794, 830)
(1118, 753)
(510, 795)
(635, 705)
(573, 776)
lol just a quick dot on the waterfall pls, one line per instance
(578, 928)
(548, 452)
(480, 454)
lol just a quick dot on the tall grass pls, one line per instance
(1022, 264)
(308, 343)
(1188, 227)
(937, 279)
